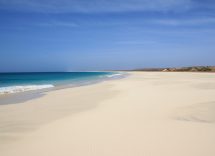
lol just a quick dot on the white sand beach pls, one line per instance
(144, 114)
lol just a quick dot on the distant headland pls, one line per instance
(181, 69)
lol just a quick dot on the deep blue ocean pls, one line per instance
(19, 82)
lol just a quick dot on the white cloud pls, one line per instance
(55, 6)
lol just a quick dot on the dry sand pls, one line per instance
(145, 114)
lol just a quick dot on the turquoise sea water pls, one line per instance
(19, 82)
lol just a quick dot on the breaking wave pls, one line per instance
(17, 89)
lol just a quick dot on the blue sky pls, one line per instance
(74, 35)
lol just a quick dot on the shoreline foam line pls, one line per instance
(17, 89)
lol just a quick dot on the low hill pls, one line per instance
(182, 69)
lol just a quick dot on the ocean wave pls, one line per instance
(111, 76)
(114, 75)
(17, 89)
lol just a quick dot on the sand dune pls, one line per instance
(145, 114)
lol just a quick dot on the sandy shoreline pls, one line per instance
(170, 114)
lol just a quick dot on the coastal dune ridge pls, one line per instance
(145, 113)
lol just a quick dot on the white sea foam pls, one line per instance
(114, 75)
(17, 89)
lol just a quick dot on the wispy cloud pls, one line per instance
(183, 22)
(94, 5)
(57, 24)
(135, 42)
